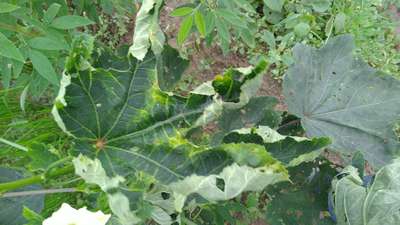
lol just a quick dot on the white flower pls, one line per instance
(67, 215)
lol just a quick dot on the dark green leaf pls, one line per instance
(304, 201)
(12, 207)
(341, 97)
(170, 68)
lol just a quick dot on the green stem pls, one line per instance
(4, 187)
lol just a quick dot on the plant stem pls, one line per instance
(38, 192)
(4, 187)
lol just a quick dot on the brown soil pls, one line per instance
(206, 62)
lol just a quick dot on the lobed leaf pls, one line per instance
(341, 97)
(377, 204)
(147, 30)
(290, 150)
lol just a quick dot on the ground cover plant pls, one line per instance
(96, 126)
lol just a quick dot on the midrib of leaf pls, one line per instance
(123, 108)
(155, 163)
(83, 126)
(156, 125)
(355, 107)
(354, 128)
(92, 103)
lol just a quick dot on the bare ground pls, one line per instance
(206, 62)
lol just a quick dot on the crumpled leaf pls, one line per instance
(116, 113)
(290, 150)
(235, 104)
(12, 207)
(304, 200)
(92, 172)
(341, 97)
(374, 205)
(147, 30)
(231, 182)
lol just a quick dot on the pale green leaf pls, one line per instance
(230, 17)
(147, 30)
(46, 43)
(51, 12)
(9, 50)
(182, 11)
(184, 30)
(200, 23)
(290, 150)
(378, 204)
(70, 22)
(44, 67)
(302, 29)
(321, 5)
(234, 180)
(275, 5)
(92, 172)
(6, 7)
(340, 22)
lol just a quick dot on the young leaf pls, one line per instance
(290, 150)
(185, 29)
(51, 12)
(9, 50)
(340, 22)
(230, 17)
(275, 5)
(248, 38)
(338, 98)
(46, 43)
(182, 11)
(223, 29)
(147, 30)
(302, 29)
(376, 204)
(6, 7)
(200, 23)
(70, 22)
(44, 67)
(321, 5)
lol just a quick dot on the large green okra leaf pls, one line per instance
(116, 111)
(377, 204)
(341, 97)
(290, 150)
(112, 105)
